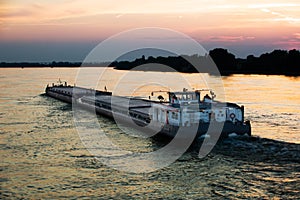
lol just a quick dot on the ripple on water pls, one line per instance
(42, 156)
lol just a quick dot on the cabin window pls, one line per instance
(194, 97)
(174, 115)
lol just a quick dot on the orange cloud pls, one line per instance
(223, 21)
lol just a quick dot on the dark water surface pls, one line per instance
(42, 155)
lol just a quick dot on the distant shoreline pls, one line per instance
(278, 62)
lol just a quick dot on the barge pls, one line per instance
(177, 115)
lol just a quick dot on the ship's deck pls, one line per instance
(77, 90)
(124, 103)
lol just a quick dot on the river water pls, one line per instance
(42, 155)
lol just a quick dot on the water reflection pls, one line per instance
(42, 155)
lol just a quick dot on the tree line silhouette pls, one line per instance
(281, 62)
(50, 64)
(39, 64)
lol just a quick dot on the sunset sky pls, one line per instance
(68, 29)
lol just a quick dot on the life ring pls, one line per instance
(232, 115)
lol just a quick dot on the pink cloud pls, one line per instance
(292, 42)
(230, 38)
(297, 35)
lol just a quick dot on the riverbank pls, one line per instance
(277, 62)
